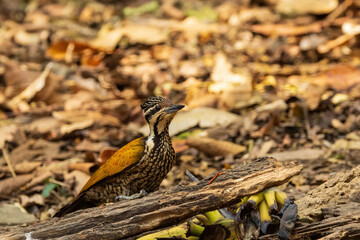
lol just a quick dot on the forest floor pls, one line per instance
(276, 78)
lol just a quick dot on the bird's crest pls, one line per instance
(153, 104)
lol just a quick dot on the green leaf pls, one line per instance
(206, 13)
(47, 189)
(186, 134)
(150, 7)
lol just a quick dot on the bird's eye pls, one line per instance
(158, 107)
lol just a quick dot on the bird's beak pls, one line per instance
(174, 108)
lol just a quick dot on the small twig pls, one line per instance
(57, 182)
(112, 221)
(191, 176)
(306, 119)
(339, 10)
(326, 47)
(8, 162)
(56, 195)
(216, 175)
(223, 211)
(69, 52)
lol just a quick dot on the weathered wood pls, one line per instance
(342, 227)
(161, 208)
(334, 206)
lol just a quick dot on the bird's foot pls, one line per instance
(141, 194)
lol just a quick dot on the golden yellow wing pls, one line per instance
(124, 157)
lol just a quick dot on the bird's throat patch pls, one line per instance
(150, 142)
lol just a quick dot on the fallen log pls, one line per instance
(129, 219)
(342, 227)
(336, 203)
(333, 209)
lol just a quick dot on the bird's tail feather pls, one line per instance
(76, 204)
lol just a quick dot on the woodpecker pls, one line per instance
(139, 166)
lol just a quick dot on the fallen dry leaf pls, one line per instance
(25, 38)
(162, 52)
(214, 147)
(18, 79)
(194, 26)
(170, 10)
(235, 87)
(222, 72)
(69, 51)
(79, 177)
(44, 125)
(286, 29)
(31, 200)
(204, 100)
(145, 34)
(38, 20)
(69, 128)
(275, 107)
(38, 179)
(59, 10)
(307, 154)
(78, 101)
(93, 86)
(86, 145)
(265, 148)
(83, 116)
(192, 69)
(226, 10)
(24, 152)
(250, 15)
(355, 91)
(106, 153)
(339, 77)
(55, 167)
(107, 39)
(58, 50)
(11, 185)
(346, 144)
(311, 88)
(26, 167)
(267, 128)
(180, 145)
(294, 7)
(32, 149)
(7, 134)
(80, 166)
(20, 101)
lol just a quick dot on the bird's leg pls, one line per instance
(140, 194)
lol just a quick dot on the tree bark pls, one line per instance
(333, 209)
(342, 227)
(128, 219)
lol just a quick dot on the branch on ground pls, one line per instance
(130, 219)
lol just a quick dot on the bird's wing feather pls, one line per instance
(123, 158)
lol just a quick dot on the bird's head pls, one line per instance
(158, 113)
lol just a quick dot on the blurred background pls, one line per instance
(263, 77)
